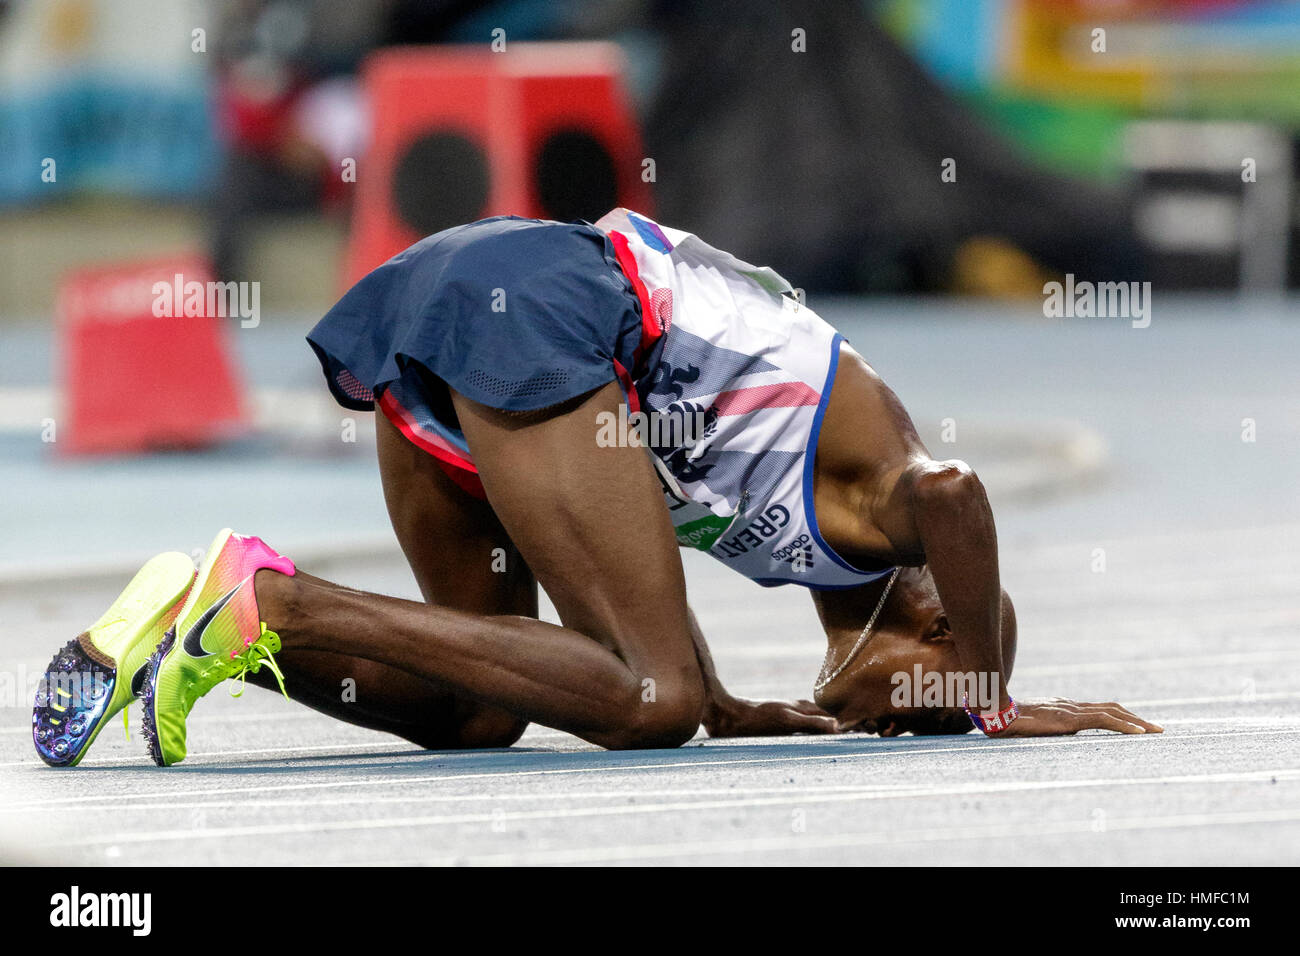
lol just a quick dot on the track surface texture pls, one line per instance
(1192, 623)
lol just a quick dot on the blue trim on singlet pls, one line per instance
(810, 458)
(779, 582)
(650, 233)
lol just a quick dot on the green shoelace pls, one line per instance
(254, 656)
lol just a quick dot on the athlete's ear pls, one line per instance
(937, 630)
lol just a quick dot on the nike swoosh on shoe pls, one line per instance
(193, 641)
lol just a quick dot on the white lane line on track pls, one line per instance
(342, 749)
(679, 806)
(613, 854)
(261, 717)
(302, 713)
(1190, 661)
(781, 795)
(536, 732)
(362, 748)
(1225, 699)
(1285, 721)
(832, 753)
(1258, 697)
(116, 807)
(1163, 663)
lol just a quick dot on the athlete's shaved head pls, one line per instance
(904, 677)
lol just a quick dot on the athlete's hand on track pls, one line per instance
(1055, 716)
(737, 717)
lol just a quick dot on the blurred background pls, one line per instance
(222, 126)
(922, 168)
(907, 162)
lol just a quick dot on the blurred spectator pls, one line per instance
(287, 110)
(288, 104)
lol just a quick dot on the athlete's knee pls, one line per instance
(490, 731)
(662, 717)
(483, 731)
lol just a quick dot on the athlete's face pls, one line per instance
(884, 690)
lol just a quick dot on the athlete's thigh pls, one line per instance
(462, 558)
(592, 525)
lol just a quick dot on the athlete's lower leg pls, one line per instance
(542, 672)
(379, 697)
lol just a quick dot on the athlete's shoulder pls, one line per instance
(635, 225)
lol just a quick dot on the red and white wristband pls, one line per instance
(991, 723)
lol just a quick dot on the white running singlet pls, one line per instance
(732, 387)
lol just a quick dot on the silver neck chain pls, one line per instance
(823, 679)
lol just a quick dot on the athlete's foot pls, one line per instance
(218, 634)
(98, 673)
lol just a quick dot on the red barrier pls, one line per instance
(144, 363)
(540, 130)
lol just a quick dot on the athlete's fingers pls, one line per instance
(808, 707)
(789, 718)
(1089, 716)
(1126, 714)
(1113, 711)
(865, 726)
(1105, 720)
(801, 723)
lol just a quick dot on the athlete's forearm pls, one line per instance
(955, 525)
(728, 716)
(716, 696)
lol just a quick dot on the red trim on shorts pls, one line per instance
(629, 387)
(459, 469)
(650, 331)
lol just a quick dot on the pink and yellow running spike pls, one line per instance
(219, 634)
